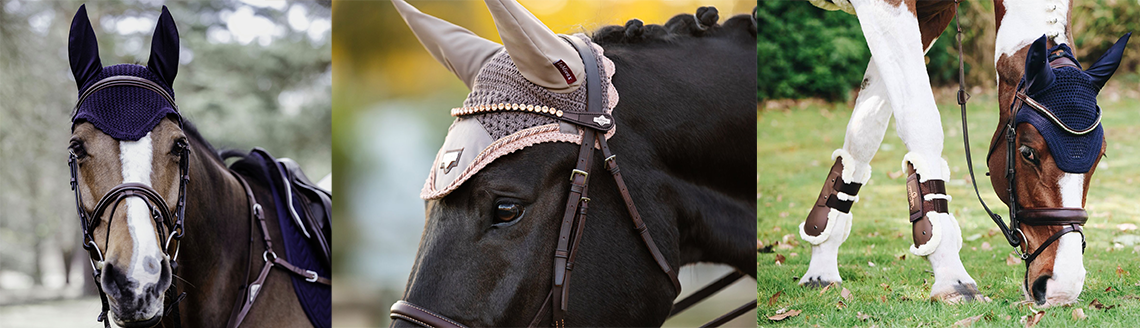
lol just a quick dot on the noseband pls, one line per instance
(574, 219)
(1070, 218)
(164, 221)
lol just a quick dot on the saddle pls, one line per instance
(316, 203)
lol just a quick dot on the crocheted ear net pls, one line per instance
(474, 141)
(123, 112)
(1072, 99)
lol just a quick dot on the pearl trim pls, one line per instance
(504, 107)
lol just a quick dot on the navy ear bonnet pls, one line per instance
(1071, 98)
(125, 110)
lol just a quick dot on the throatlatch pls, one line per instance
(928, 203)
(840, 191)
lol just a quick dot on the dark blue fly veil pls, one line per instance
(127, 102)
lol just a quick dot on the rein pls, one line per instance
(1071, 218)
(574, 219)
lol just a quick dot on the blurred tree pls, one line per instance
(252, 74)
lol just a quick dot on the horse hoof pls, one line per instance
(817, 282)
(960, 293)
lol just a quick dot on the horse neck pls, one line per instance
(214, 250)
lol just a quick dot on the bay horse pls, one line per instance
(147, 183)
(501, 211)
(898, 33)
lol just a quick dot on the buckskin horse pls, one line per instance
(157, 202)
(508, 193)
(1045, 185)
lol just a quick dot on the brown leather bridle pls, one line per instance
(573, 223)
(1070, 218)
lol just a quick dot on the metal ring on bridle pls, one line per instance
(264, 255)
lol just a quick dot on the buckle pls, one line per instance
(585, 175)
(312, 276)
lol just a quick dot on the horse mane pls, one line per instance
(703, 23)
(191, 132)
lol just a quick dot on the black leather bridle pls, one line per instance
(167, 224)
(1071, 218)
(573, 224)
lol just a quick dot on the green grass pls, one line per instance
(794, 148)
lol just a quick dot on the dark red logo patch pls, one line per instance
(565, 70)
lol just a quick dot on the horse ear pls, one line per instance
(462, 52)
(1038, 75)
(164, 49)
(83, 49)
(541, 56)
(1102, 70)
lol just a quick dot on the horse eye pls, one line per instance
(507, 213)
(76, 148)
(179, 147)
(1029, 154)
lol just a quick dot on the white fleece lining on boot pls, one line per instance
(935, 234)
(853, 171)
(832, 216)
(922, 168)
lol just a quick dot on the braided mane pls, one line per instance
(703, 23)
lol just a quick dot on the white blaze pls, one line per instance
(144, 269)
(1068, 268)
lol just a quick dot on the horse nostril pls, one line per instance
(1038, 290)
(150, 265)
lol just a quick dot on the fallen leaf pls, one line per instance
(1034, 319)
(846, 294)
(779, 259)
(862, 316)
(1119, 271)
(871, 264)
(883, 298)
(986, 246)
(1109, 289)
(967, 321)
(840, 305)
(1012, 260)
(1100, 306)
(783, 214)
(776, 228)
(885, 286)
(898, 235)
(776, 296)
(793, 254)
(894, 174)
(991, 232)
(1126, 226)
(825, 288)
(974, 237)
(1079, 314)
(902, 257)
(785, 315)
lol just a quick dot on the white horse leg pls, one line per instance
(894, 38)
(865, 132)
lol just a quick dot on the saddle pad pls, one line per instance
(316, 299)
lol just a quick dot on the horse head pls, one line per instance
(497, 193)
(1056, 142)
(128, 155)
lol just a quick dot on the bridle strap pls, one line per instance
(1073, 227)
(122, 81)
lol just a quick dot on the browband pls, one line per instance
(123, 81)
(1049, 114)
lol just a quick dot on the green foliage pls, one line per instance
(806, 51)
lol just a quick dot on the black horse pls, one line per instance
(686, 138)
